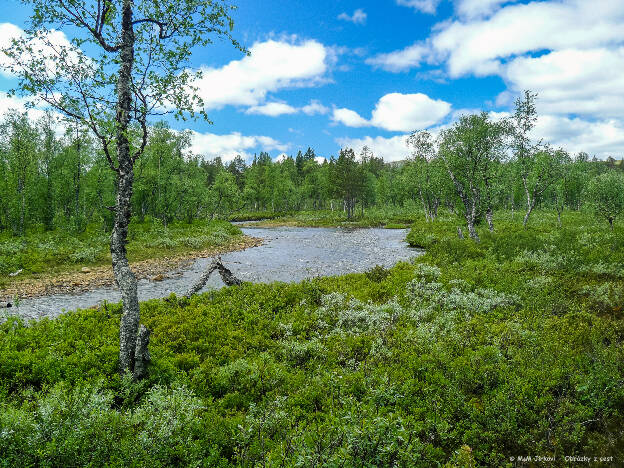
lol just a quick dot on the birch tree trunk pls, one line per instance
(126, 280)
(471, 216)
(530, 202)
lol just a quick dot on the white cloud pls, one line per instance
(272, 65)
(349, 118)
(8, 32)
(426, 6)
(407, 112)
(398, 112)
(314, 107)
(571, 52)
(478, 46)
(586, 82)
(602, 138)
(477, 8)
(19, 104)
(275, 109)
(358, 17)
(12, 103)
(401, 60)
(391, 149)
(320, 159)
(52, 47)
(230, 145)
(272, 109)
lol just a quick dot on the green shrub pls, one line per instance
(467, 355)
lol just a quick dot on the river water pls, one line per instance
(288, 254)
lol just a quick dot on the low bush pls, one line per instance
(464, 357)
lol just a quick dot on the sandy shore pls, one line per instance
(155, 269)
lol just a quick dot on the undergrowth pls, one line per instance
(469, 355)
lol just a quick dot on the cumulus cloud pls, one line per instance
(398, 112)
(51, 47)
(314, 107)
(8, 32)
(401, 60)
(601, 138)
(407, 112)
(272, 109)
(391, 149)
(272, 66)
(349, 117)
(358, 17)
(275, 109)
(230, 145)
(24, 105)
(477, 46)
(478, 8)
(425, 6)
(578, 81)
(571, 52)
(486, 35)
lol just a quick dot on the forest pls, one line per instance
(65, 183)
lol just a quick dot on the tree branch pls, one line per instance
(96, 31)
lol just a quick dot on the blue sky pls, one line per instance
(328, 74)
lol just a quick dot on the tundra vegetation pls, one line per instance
(473, 352)
(504, 342)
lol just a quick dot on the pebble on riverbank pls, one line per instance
(102, 276)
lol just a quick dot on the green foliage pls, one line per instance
(471, 353)
(65, 183)
(44, 252)
(377, 274)
(606, 195)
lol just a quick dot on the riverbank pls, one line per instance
(389, 217)
(153, 269)
(467, 355)
(287, 254)
(55, 262)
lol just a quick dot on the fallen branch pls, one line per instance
(226, 275)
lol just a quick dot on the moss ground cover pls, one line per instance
(469, 355)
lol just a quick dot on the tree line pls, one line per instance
(473, 168)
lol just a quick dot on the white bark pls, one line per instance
(216, 265)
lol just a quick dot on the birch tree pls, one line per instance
(137, 67)
(471, 150)
(539, 167)
(606, 195)
(426, 172)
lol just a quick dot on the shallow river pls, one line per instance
(288, 254)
